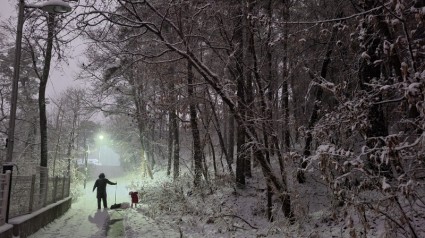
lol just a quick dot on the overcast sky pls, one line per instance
(61, 76)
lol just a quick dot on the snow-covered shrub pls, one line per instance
(370, 148)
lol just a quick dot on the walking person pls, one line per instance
(100, 184)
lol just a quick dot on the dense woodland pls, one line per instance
(329, 90)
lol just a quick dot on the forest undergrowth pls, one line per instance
(220, 209)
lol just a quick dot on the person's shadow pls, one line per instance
(101, 219)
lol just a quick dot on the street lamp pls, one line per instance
(55, 6)
(50, 6)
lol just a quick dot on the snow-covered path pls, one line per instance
(84, 220)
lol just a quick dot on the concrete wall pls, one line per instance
(25, 225)
(6, 231)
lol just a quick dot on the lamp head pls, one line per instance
(56, 6)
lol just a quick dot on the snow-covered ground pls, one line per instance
(171, 209)
(84, 220)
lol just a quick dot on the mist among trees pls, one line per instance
(291, 96)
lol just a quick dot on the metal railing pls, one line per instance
(30, 193)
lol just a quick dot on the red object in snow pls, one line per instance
(134, 197)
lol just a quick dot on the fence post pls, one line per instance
(8, 167)
(55, 188)
(4, 204)
(69, 187)
(46, 182)
(32, 191)
(63, 187)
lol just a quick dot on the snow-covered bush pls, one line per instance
(370, 146)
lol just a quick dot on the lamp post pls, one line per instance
(51, 6)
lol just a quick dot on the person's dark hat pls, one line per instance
(101, 175)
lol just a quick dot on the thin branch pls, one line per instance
(231, 215)
(331, 20)
(390, 101)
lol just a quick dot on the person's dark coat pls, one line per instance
(100, 184)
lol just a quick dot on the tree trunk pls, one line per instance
(42, 91)
(220, 136)
(151, 147)
(42, 104)
(170, 141)
(285, 85)
(71, 142)
(197, 150)
(267, 125)
(59, 133)
(286, 148)
(239, 58)
(231, 137)
(175, 128)
(249, 88)
(176, 146)
(213, 155)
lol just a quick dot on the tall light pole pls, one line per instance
(14, 93)
(51, 6)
